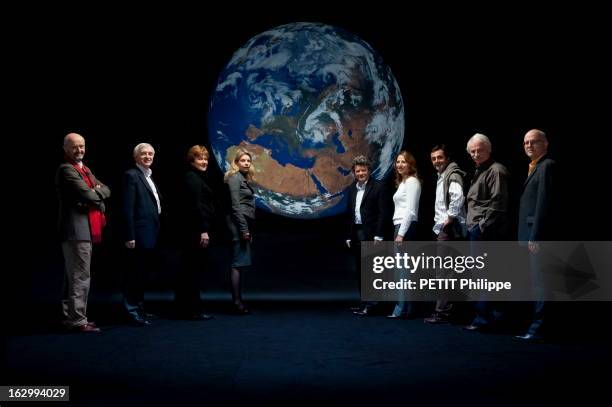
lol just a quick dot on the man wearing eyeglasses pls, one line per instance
(535, 218)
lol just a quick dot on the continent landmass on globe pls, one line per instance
(330, 172)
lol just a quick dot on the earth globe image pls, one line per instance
(304, 99)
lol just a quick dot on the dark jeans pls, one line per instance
(486, 312)
(449, 233)
(403, 307)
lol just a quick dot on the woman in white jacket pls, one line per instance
(405, 216)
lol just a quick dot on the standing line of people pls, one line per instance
(480, 214)
(82, 201)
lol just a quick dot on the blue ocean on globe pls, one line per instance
(304, 99)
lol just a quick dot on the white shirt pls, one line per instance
(406, 201)
(456, 209)
(147, 173)
(360, 191)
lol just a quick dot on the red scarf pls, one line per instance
(97, 220)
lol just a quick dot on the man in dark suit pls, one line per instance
(81, 219)
(535, 217)
(366, 215)
(142, 207)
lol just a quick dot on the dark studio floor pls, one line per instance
(301, 352)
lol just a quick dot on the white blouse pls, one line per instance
(406, 201)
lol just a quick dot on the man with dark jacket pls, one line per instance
(535, 217)
(365, 215)
(142, 207)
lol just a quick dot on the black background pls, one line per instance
(124, 75)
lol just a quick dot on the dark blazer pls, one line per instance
(372, 209)
(243, 202)
(75, 199)
(535, 210)
(140, 210)
(198, 206)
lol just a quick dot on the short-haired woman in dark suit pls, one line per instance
(197, 212)
(240, 221)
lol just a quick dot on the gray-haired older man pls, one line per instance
(81, 219)
(142, 207)
(487, 211)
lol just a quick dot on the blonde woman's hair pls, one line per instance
(235, 168)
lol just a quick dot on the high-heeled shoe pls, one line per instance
(240, 309)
